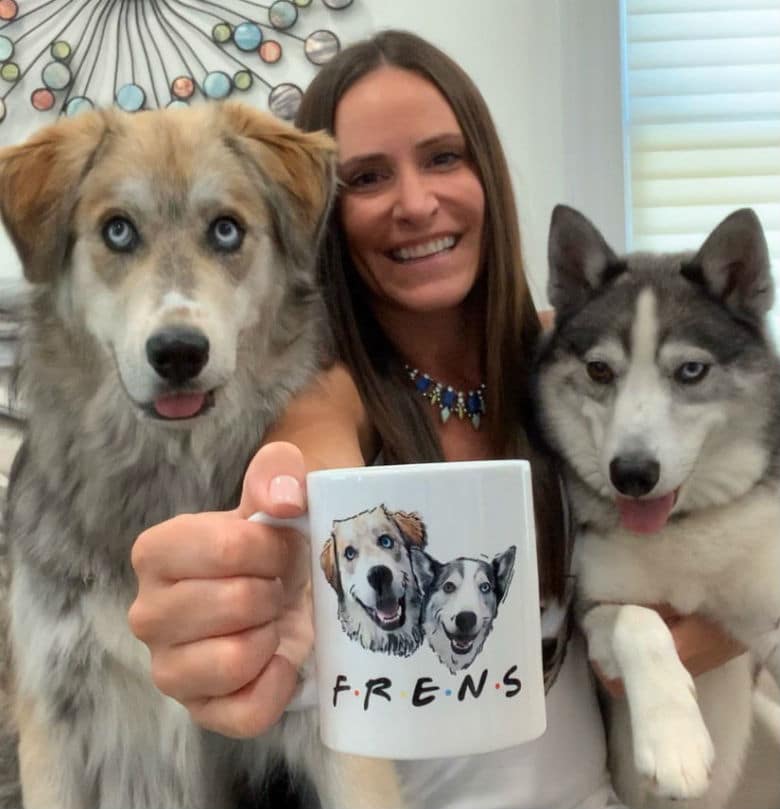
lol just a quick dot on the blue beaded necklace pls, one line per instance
(464, 404)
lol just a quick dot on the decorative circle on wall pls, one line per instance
(6, 49)
(242, 80)
(42, 99)
(247, 36)
(284, 100)
(8, 9)
(156, 53)
(130, 98)
(78, 104)
(321, 46)
(283, 15)
(270, 51)
(10, 71)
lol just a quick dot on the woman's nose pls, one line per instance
(415, 197)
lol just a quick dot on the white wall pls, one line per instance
(549, 70)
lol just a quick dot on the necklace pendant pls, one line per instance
(469, 405)
(460, 405)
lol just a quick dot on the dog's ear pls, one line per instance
(410, 524)
(329, 564)
(40, 181)
(424, 567)
(504, 569)
(301, 165)
(733, 265)
(580, 260)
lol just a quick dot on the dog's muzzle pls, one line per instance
(463, 639)
(389, 611)
(178, 355)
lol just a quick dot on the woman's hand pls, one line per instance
(223, 603)
(701, 644)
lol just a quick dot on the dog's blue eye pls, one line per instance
(600, 372)
(691, 372)
(350, 553)
(385, 542)
(226, 234)
(485, 587)
(449, 587)
(120, 235)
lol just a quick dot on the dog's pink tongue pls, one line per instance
(180, 405)
(645, 516)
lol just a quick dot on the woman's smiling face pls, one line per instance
(411, 204)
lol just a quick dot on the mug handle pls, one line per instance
(300, 523)
(305, 696)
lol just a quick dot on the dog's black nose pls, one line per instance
(380, 577)
(465, 621)
(178, 354)
(634, 475)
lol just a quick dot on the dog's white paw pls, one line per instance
(676, 754)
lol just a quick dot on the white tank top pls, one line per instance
(564, 769)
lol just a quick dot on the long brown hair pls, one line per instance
(400, 416)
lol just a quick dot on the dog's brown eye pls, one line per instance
(120, 235)
(449, 587)
(350, 553)
(225, 234)
(600, 372)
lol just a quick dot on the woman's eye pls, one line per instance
(445, 159)
(385, 541)
(448, 587)
(120, 235)
(350, 553)
(689, 373)
(226, 234)
(366, 179)
(600, 372)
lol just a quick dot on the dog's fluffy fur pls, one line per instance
(366, 560)
(175, 313)
(461, 599)
(10, 788)
(660, 390)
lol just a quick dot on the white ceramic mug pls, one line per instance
(426, 604)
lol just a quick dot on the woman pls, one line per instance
(422, 272)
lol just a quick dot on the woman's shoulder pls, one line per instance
(335, 391)
(328, 418)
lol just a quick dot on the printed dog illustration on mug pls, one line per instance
(367, 562)
(460, 602)
(392, 593)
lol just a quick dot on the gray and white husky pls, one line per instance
(460, 602)
(175, 312)
(659, 388)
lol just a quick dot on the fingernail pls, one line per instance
(286, 489)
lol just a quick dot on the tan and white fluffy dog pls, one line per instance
(175, 312)
(367, 561)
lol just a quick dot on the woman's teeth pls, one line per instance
(423, 250)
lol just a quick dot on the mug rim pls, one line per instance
(411, 468)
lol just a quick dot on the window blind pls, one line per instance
(702, 118)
